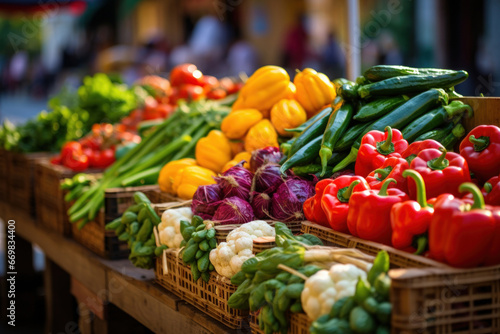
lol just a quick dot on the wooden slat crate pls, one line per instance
(440, 300)
(51, 208)
(117, 200)
(163, 197)
(211, 298)
(486, 111)
(95, 238)
(21, 179)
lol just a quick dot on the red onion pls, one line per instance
(206, 200)
(288, 200)
(264, 155)
(236, 181)
(234, 210)
(267, 178)
(261, 204)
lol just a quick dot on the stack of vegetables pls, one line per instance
(99, 149)
(240, 196)
(413, 101)
(136, 227)
(171, 140)
(412, 197)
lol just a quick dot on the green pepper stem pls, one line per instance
(351, 157)
(439, 163)
(457, 108)
(480, 143)
(488, 187)
(348, 192)
(325, 153)
(385, 185)
(476, 194)
(383, 172)
(421, 244)
(419, 181)
(386, 146)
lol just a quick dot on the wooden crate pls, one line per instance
(444, 300)
(21, 179)
(117, 200)
(51, 210)
(211, 298)
(486, 111)
(327, 235)
(163, 197)
(298, 323)
(104, 243)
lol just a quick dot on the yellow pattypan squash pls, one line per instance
(287, 114)
(314, 90)
(261, 135)
(237, 123)
(237, 159)
(190, 178)
(213, 151)
(170, 170)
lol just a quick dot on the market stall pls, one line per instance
(277, 204)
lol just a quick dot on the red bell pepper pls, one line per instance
(410, 220)
(312, 206)
(369, 215)
(492, 190)
(335, 200)
(465, 235)
(481, 149)
(414, 149)
(442, 171)
(376, 147)
(393, 168)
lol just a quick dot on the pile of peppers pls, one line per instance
(420, 198)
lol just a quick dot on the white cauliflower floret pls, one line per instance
(230, 255)
(324, 288)
(170, 227)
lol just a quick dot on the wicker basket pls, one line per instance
(298, 323)
(441, 300)
(104, 243)
(211, 298)
(21, 179)
(117, 200)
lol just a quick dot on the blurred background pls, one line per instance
(45, 45)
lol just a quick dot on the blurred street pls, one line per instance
(17, 108)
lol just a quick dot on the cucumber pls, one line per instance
(303, 156)
(145, 231)
(151, 214)
(456, 134)
(128, 217)
(349, 137)
(340, 81)
(204, 262)
(336, 127)
(311, 120)
(433, 119)
(437, 134)
(348, 92)
(113, 225)
(411, 84)
(382, 72)
(312, 131)
(140, 197)
(398, 119)
(379, 108)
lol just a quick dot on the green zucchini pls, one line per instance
(382, 72)
(456, 134)
(336, 127)
(349, 137)
(303, 156)
(437, 134)
(285, 147)
(433, 119)
(379, 108)
(140, 197)
(411, 84)
(340, 81)
(348, 92)
(303, 126)
(311, 132)
(397, 119)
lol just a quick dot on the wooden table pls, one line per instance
(101, 286)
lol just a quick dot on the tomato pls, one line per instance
(90, 153)
(165, 110)
(104, 158)
(150, 103)
(216, 94)
(151, 114)
(56, 160)
(76, 161)
(90, 142)
(209, 81)
(69, 148)
(186, 74)
(191, 92)
(230, 86)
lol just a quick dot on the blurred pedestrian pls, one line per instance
(332, 58)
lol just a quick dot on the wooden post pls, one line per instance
(353, 56)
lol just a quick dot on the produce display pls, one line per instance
(136, 227)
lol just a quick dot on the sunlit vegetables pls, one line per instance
(238, 122)
(170, 170)
(190, 178)
(287, 114)
(213, 151)
(314, 90)
(169, 229)
(261, 135)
